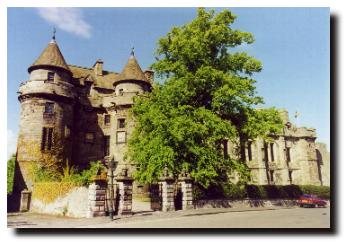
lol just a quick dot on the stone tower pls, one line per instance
(46, 117)
(131, 82)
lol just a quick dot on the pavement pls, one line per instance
(261, 217)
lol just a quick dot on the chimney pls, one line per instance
(98, 67)
(149, 74)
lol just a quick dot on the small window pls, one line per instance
(107, 119)
(49, 108)
(67, 132)
(47, 139)
(290, 173)
(263, 154)
(266, 153)
(120, 92)
(272, 152)
(121, 123)
(249, 150)
(225, 149)
(89, 137)
(288, 154)
(106, 145)
(121, 137)
(51, 76)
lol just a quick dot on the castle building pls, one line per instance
(294, 157)
(79, 114)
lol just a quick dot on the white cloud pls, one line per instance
(11, 143)
(67, 19)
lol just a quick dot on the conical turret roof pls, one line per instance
(132, 71)
(51, 56)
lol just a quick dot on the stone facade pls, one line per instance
(290, 158)
(76, 114)
(80, 114)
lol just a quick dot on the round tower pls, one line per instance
(132, 79)
(46, 117)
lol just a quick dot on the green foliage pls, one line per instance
(234, 191)
(85, 178)
(208, 97)
(69, 174)
(45, 174)
(10, 173)
(321, 191)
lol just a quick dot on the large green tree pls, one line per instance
(208, 97)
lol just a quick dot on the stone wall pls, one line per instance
(324, 162)
(32, 121)
(72, 204)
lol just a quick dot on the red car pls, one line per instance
(312, 201)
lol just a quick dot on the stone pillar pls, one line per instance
(25, 200)
(125, 191)
(110, 204)
(186, 186)
(96, 199)
(167, 194)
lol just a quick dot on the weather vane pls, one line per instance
(297, 114)
(54, 32)
(132, 51)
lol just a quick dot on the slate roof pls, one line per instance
(132, 71)
(87, 74)
(51, 56)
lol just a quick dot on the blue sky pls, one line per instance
(292, 43)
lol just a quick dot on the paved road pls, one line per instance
(202, 218)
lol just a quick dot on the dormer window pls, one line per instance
(51, 76)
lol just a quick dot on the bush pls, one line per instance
(255, 192)
(44, 174)
(86, 176)
(292, 191)
(69, 174)
(10, 173)
(320, 191)
(233, 191)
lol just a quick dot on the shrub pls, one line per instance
(255, 192)
(233, 191)
(320, 191)
(10, 173)
(45, 174)
(292, 191)
(87, 175)
(69, 174)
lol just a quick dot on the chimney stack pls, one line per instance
(98, 67)
(149, 74)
